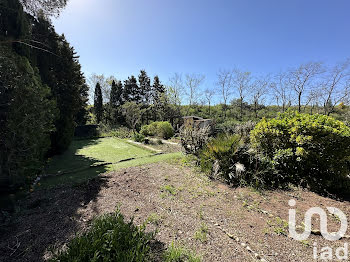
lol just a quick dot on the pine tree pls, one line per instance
(98, 103)
(145, 87)
(116, 101)
(157, 89)
(131, 90)
(119, 93)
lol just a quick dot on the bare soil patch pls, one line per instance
(183, 205)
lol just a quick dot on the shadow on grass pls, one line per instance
(72, 168)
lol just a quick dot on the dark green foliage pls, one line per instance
(311, 150)
(110, 238)
(41, 82)
(67, 93)
(158, 89)
(220, 155)
(26, 120)
(115, 103)
(98, 103)
(145, 87)
(138, 137)
(82, 114)
(160, 129)
(131, 90)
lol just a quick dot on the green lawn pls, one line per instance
(78, 163)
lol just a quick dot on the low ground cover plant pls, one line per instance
(110, 238)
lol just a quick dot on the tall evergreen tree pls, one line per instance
(113, 100)
(131, 90)
(41, 83)
(145, 87)
(157, 89)
(98, 103)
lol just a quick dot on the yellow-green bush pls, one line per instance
(311, 150)
(159, 128)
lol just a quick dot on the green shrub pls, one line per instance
(139, 137)
(160, 129)
(110, 238)
(311, 150)
(220, 155)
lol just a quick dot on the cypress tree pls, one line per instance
(113, 100)
(98, 103)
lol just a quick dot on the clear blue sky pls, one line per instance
(120, 37)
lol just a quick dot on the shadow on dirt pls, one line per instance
(49, 216)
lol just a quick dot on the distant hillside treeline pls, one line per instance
(310, 88)
(43, 94)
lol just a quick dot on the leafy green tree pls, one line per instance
(98, 103)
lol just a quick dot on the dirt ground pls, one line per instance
(217, 222)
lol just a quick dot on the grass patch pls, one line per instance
(82, 161)
(168, 190)
(154, 219)
(201, 233)
(278, 225)
(178, 254)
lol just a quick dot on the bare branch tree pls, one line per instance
(282, 91)
(224, 84)
(193, 82)
(313, 99)
(300, 79)
(209, 93)
(242, 84)
(258, 91)
(336, 87)
(176, 88)
(105, 83)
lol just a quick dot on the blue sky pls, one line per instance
(120, 37)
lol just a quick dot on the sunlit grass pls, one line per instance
(79, 162)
